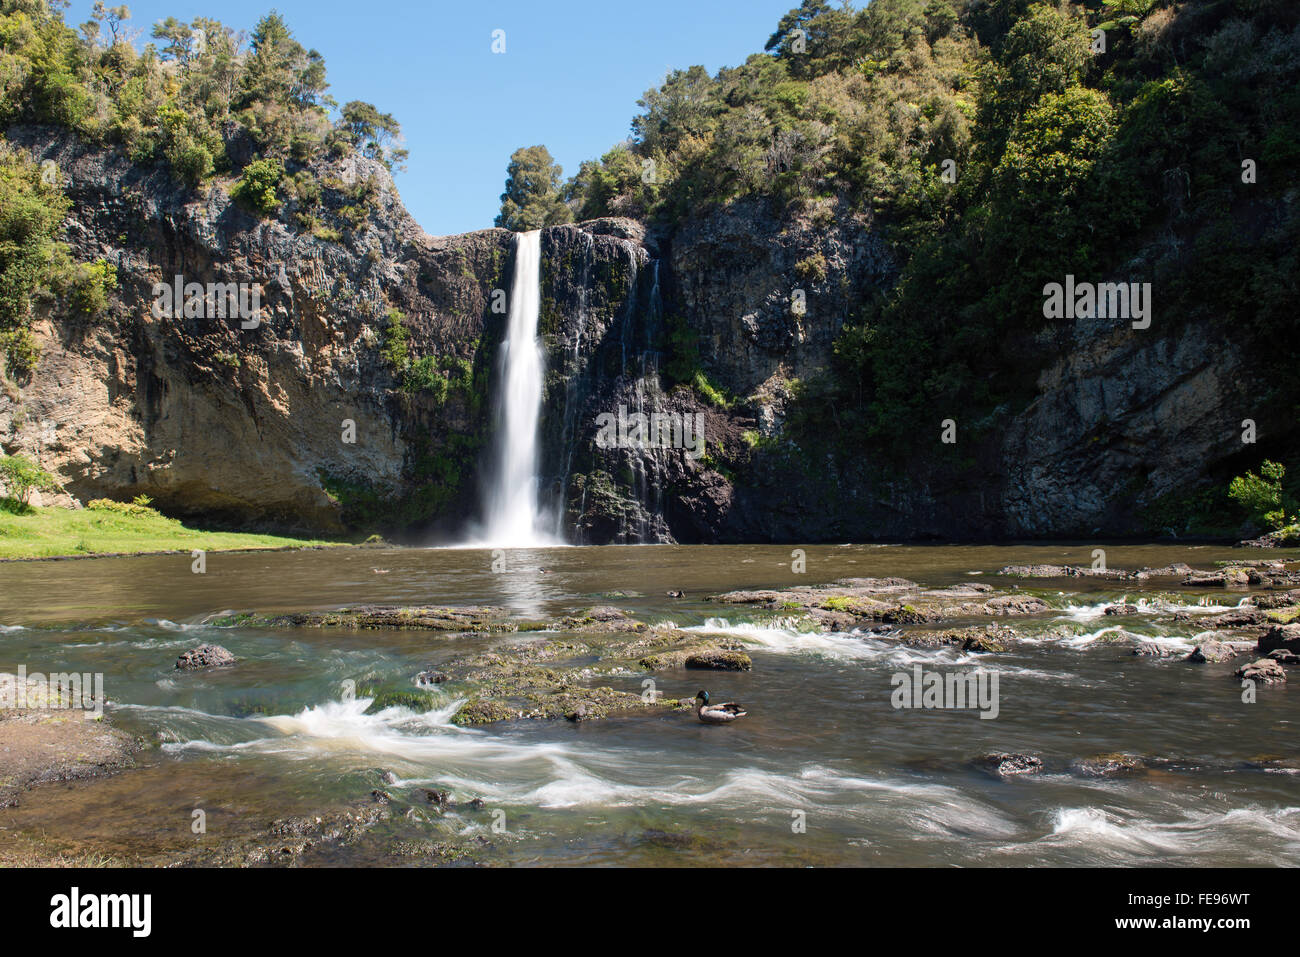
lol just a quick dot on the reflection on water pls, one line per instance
(276, 736)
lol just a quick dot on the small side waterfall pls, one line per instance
(513, 517)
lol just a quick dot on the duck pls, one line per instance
(717, 713)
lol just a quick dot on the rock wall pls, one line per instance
(246, 426)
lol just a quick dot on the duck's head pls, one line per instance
(702, 697)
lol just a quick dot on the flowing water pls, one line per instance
(513, 516)
(823, 770)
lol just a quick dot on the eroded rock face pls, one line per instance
(246, 426)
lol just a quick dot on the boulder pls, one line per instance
(720, 659)
(1215, 651)
(1265, 671)
(1280, 636)
(205, 656)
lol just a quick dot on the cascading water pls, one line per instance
(513, 518)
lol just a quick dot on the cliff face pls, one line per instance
(250, 425)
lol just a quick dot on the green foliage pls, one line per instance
(371, 133)
(258, 188)
(1261, 495)
(32, 259)
(21, 352)
(140, 505)
(179, 98)
(395, 341)
(92, 283)
(21, 476)
(532, 198)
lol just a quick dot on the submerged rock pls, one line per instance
(1152, 649)
(420, 617)
(1006, 764)
(989, 639)
(205, 656)
(1108, 765)
(418, 701)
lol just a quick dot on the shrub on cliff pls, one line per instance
(258, 187)
(91, 285)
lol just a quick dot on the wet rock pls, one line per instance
(51, 739)
(1120, 610)
(205, 656)
(1284, 657)
(720, 660)
(1286, 599)
(436, 797)
(1265, 671)
(1061, 571)
(483, 711)
(1215, 651)
(1040, 571)
(1108, 765)
(1223, 577)
(991, 639)
(1152, 649)
(427, 678)
(1015, 605)
(416, 617)
(602, 619)
(1282, 538)
(689, 650)
(1178, 569)
(388, 777)
(475, 804)
(1280, 636)
(1006, 764)
(418, 701)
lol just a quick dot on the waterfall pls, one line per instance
(513, 518)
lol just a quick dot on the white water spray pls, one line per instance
(513, 518)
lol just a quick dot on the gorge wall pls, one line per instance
(248, 427)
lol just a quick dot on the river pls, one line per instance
(823, 770)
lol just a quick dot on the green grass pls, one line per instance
(48, 532)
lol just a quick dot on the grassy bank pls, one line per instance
(49, 532)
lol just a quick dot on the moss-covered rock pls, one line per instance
(483, 711)
(419, 701)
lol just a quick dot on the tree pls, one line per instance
(1261, 495)
(371, 133)
(683, 106)
(112, 16)
(21, 476)
(532, 198)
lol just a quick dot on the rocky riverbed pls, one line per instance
(495, 719)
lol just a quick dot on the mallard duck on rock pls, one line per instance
(717, 713)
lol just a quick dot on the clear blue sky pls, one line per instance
(570, 77)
